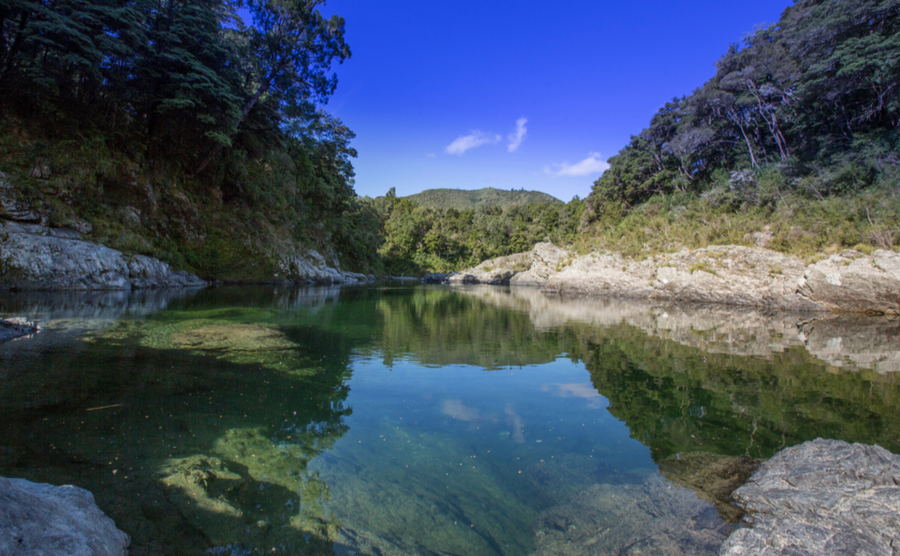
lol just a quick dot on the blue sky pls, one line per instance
(535, 95)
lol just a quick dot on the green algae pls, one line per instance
(231, 335)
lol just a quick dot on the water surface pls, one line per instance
(425, 420)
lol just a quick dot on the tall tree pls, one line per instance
(287, 59)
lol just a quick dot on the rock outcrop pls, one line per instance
(851, 281)
(821, 497)
(45, 519)
(34, 257)
(533, 268)
(847, 282)
(308, 266)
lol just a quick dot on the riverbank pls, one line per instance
(39, 257)
(848, 281)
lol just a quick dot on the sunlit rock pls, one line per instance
(731, 275)
(821, 497)
(851, 281)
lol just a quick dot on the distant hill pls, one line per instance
(461, 199)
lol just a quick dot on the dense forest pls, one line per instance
(196, 132)
(209, 127)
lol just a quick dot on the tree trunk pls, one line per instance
(263, 88)
(14, 49)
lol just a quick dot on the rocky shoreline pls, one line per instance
(37, 257)
(848, 281)
(820, 497)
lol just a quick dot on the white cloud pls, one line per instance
(590, 165)
(516, 137)
(474, 139)
(431, 155)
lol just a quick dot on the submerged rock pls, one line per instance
(33, 257)
(652, 518)
(712, 477)
(254, 495)
(45, 519)
(821, 497)
(730, 274)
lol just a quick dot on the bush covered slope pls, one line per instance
(800, 123)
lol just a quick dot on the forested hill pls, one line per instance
(807, 109)
(461, 199)
(182, 130)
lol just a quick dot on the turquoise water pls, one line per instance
(402, 420)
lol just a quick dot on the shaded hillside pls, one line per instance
(177, 131)
(460, 199)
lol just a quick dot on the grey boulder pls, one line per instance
(40, 519)
(821, 498)
(34, 257)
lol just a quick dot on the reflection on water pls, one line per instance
(412, 420)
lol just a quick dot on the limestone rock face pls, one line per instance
(851, 281)
(34, 257)
(40, 519)
(729, 274)
(821, 497)
(533, 268)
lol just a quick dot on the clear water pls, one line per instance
(403, 420)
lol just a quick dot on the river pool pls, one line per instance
(397, 419)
